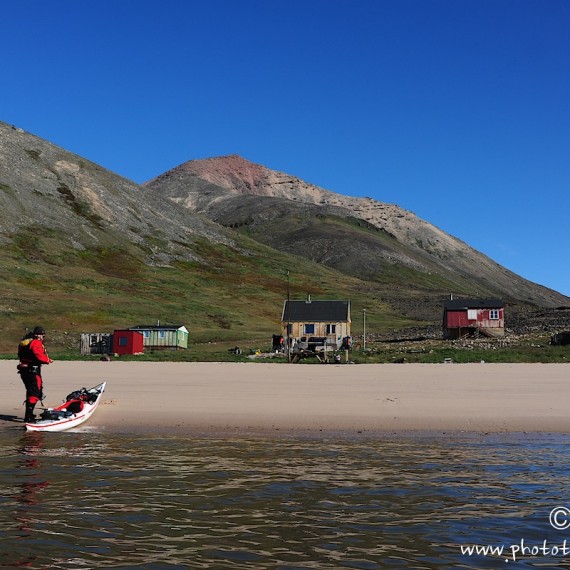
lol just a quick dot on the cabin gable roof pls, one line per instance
(316, 311)
(464, 304)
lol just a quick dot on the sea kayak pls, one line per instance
(77, 408)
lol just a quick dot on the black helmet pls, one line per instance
(38, 331)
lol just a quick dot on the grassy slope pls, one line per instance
(343, 236)
(235, 298)
(232, 297)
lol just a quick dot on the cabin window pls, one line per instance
(494, 314)
(123, 341)
(331, 329)
(161, 334)
(471, 314)
(310, 328)
(146, 334)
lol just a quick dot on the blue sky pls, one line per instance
(458, 110)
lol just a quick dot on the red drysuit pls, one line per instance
(32, 354)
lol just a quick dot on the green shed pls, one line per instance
(163, 336)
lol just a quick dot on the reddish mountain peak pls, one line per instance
(232, 172)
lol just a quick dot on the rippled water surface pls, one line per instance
(95, 500)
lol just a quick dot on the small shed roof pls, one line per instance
(316, 311)
(459, 304)
(158, 328)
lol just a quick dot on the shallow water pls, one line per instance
(96, 500)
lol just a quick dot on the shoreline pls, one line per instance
(363, 400)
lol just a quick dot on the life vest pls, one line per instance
(24, 351)
(32, 351)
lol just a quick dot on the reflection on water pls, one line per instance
(90, 500)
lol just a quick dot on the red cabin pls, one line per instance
(469, 317)
(127, 342)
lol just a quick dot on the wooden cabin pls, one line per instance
(470, 317)
(316, 322)
(128, 342)
(163, 336)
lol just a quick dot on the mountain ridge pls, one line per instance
(222, 189)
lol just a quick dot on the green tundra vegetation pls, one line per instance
(232, 297)
(228, 299)
(228, 296)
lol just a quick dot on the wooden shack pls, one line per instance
(96, 343)
(470, 317)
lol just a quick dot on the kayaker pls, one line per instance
(32, 354)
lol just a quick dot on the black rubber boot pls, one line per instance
(29, 417)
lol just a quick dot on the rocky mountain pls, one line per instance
(50, 191)
(357, 236)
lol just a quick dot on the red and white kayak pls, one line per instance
(77, 408)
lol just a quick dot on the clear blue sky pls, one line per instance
(458, 110)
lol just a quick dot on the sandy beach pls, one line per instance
(259, 397)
